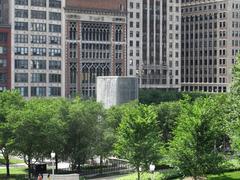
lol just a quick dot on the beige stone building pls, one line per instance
(38, 46)
(210, 42)
(154, 43)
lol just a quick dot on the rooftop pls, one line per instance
(113, 5)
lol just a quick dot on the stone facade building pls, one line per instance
(210, 42)
(95, 43)
(154, 43)
(38, 46)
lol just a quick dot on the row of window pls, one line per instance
(202, 8)
(42, 3)
(42, 27)
(38, 51)
(37, 39)
(204, 88)
(40, 91)
(37, 78)
(21, 13)
(37, 64)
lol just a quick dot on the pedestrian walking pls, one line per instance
(40, 177)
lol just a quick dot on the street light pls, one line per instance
(53, 154)
(152, 169)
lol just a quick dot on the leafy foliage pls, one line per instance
(138, 136)
(155, 96)
(82, 130)
(194, 148)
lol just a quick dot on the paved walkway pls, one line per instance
(109, 178)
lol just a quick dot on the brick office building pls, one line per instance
(95, 43)
(5, 57)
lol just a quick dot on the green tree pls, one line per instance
(138, 136)
(235, 87)
(167, 116)
(194, 149)
(233, 109)
(37, 129)
(54, 129)
(9, 101)
(82, 130)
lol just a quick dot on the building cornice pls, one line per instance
(95, 11)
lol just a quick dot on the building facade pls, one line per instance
(210, 42)
(38, 47)
(154, 43)
(95, 43)
(5, 57)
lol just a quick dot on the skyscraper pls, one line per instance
(154, 43)
(37, 38)
(210, 42)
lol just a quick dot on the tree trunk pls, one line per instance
(29, 171)
(101, 164)
(138, 172)
(7, 164)
(56, 162)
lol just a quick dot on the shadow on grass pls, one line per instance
(13, 177)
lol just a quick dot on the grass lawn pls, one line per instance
(12, 160)
(16, 173)
(225, 176)
(158, 176)
(144, 176)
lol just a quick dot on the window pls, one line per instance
(23, 91)
(55, 91)
(54, 40)
(55, 16)
(38, 78)
(3, 63)
(21, 64)
(21, 51)
(21, 26)
(21, 13)
(3, 78)
(38, 51)
(21, 38)
(38, 27)
(55, 65)
(38, 14)
(55, 3)
(3, 36)
(73, 50)
(38, 39)
(38, 91)
(38, 64)
(54, 28)
(41, 3)
(55, 52)
(3, 50)
(73, 30)
(21, 77)
(54, 78)
(21, 2)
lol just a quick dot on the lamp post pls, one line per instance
(53, 154)
(152, 169)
